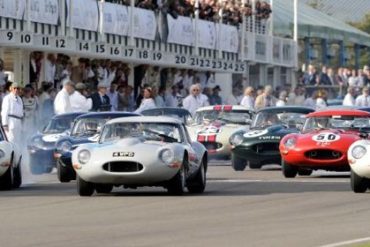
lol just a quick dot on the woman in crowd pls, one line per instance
(147, 101)
(31, 105)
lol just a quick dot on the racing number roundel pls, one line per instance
(326, 137)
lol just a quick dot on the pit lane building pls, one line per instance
(263, 54)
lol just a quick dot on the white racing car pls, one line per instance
(10, 164)
(359, 161)
(141, 151)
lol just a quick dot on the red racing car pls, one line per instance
(323, 142)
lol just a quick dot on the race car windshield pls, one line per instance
(337, 122)
(149, 131)
(233, 117)
(266, 119)
(58, 125)
(88, 127)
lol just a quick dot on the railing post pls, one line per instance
(271, 31)
(70, 14)
(28, 15)
(295, 33)
(219, 35)
(196, 52)
(253, 30)
(62, 5)
(101, 20)
(131, 27)
(242, 45)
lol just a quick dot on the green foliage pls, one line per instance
(364, 24)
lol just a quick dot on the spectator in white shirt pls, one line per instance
(50, 68)
(173, 98)
(159, 98)
(349, 99)
(248, 99)
(62, 103)
(113, 96)
(147, 102)
(310, 101)
(79, 102)
(195, 100)
(3, 76)
(321, 100)
(283, 98)
(363, 100)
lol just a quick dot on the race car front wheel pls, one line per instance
(176, 186)
(6, 180)
(84, 188)
(104, 188)
(304, 172)
(289, 171)
(358, 184)
(237, 163)
(63, 173)
(198, 185)
(18, 175)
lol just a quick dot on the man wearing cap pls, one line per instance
(62, 103)
(100, 100)
(12, 114)
(363, 100)
(79, 102)
(215, 98)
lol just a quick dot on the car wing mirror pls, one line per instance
(248, 121)
(364, 135)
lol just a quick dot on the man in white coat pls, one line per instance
(194, 100)
(12, 114)
(349, 99)
(62, 103)
(79, 102)
(363, 100)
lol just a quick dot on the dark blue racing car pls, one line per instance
(86, 129)
(41, 146)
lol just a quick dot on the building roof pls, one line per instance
(344, 10)
(314, 23)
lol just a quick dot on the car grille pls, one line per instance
(212, 145)
(320, 154)
(123, 166)
(266, 148)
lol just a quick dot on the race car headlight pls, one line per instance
(37, 142)
(290, 142)
(167, 156)
(2, 154)
(83, 156)
(358, 152)
(64, 146)
(236, 139)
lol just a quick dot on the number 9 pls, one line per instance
(9, 35)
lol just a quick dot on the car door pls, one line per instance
(194, 157)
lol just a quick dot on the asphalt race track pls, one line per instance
(250, 208)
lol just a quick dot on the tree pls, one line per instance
(364, 24)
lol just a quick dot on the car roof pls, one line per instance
(145, 119)
(107, 115)
(296, 109)
(222, 107)
(166, 110)
(69, 115)
(339, 112)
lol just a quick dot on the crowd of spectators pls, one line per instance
(100, 85)
(230, 12)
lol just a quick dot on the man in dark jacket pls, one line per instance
(100, 100)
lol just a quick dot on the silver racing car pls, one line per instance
(141, 151)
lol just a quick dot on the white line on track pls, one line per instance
(349, 242)
(271, 181)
